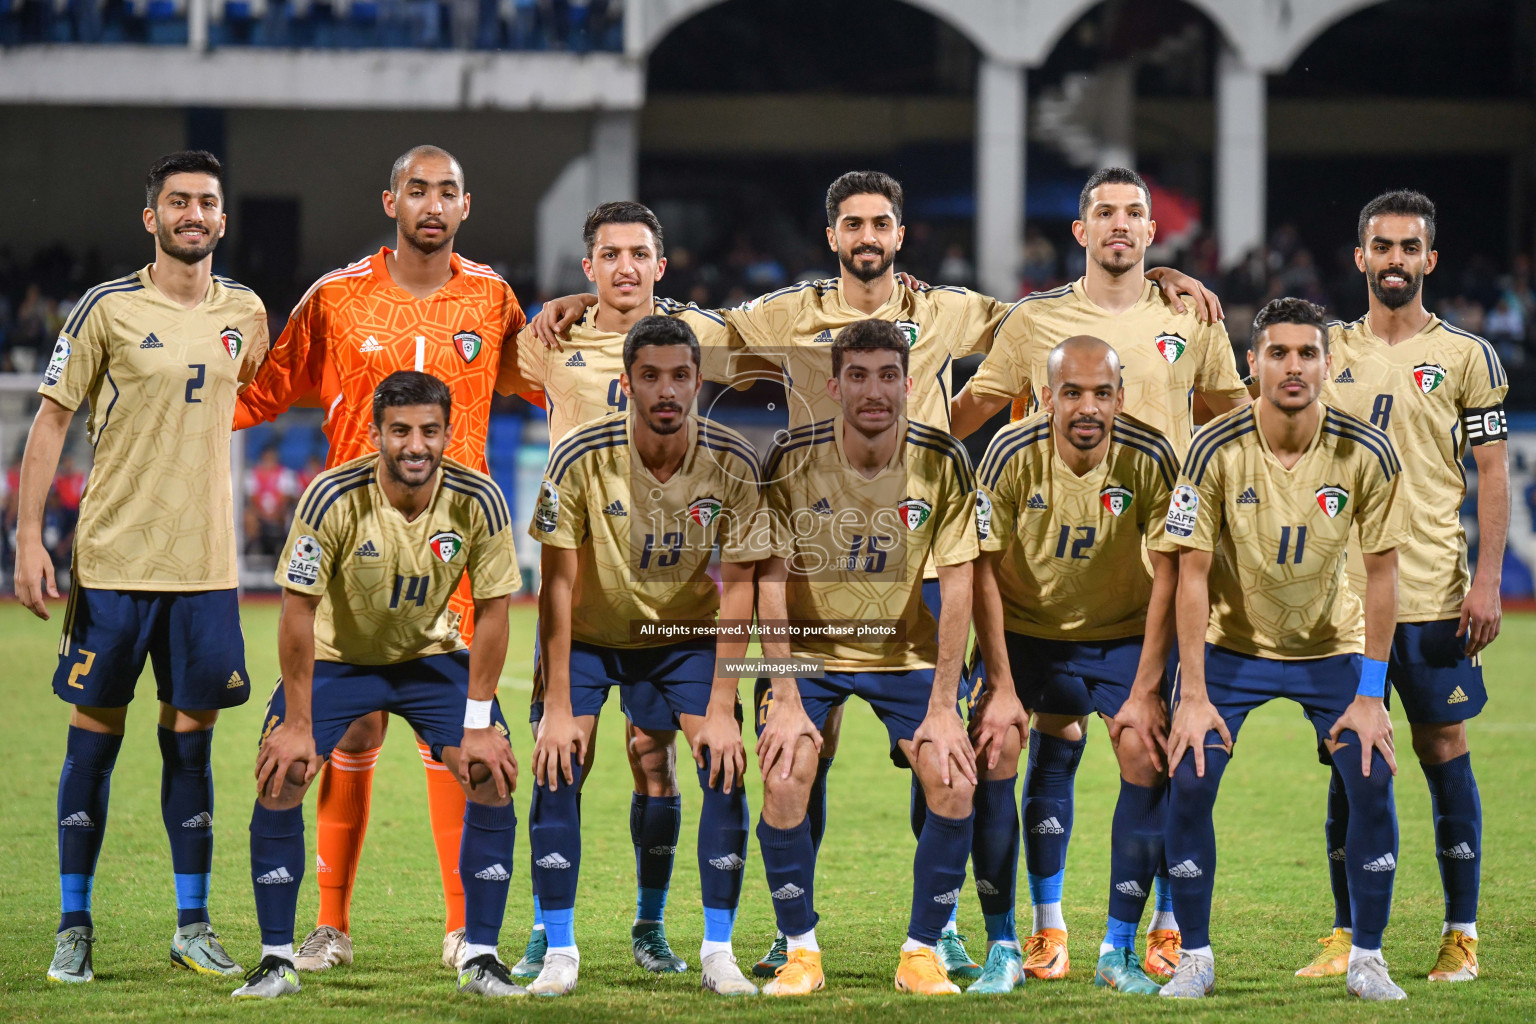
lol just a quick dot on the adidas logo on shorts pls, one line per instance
(1458, 696)
(949, 899)
(1336, 854)
(151, 342)
(1131, 888)
(1048, 827)
(730, 862)
(576, 360)
(1186, 869)
(494, 873)
(277, 876)
(1461, 851)
(1386, 862)
(788, 891)
(662, 851)
(78, 820)
(235, 682)
(202, 819)
(553, 861)
(986, 888)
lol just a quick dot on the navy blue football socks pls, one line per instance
(554, 833)
(1458, 811)
(277, 868)
(1334, 828)
(816, 810)
(1190, 839)
(485, 867)
(789, 861)
(85, 784)
(1048, 781)
(995, 855)
(655, 823)
(186, 807)
(722, 846)
(938, 874)
(1135, 849)
(1370, 844)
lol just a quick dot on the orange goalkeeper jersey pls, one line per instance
(355, 326)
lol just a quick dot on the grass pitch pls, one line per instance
(1271, 904)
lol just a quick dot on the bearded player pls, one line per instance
(418, 306)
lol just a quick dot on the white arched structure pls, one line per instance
(1260, 37)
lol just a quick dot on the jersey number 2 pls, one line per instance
(197, 379)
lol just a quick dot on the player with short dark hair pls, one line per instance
(419, 306)
(631, 509)
(869, 499)
(159, 355)
(1261, 516)
(1438, 391)
(376, 552)
(1067, 611)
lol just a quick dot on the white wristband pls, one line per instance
(477, 714)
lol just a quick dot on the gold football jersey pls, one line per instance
(644, 545)
(1277, 582)
(161, 380)
(1164, 355)
(794, 328)
(385, 583)
(581, 382)
(1433, 394)
(1071, 565)
(856, 546)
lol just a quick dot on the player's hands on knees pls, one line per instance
(999, 713)
(554, 319)
(488, 747)
(559, 737)
(720, 736)
(787, 722)
(1369, 719)
(951, 746)
(1481, 613)
(34, 575)
(1195, 717)
(285, 747)
(1145, 714)
(1176, 286)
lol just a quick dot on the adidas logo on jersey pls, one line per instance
(1386, 862)
(1336, 854)
(824, 338)
(730, 862)
(553, 861)
(822, 507)
(202, 819)
(151, 342)
(1345, 378)
(1036, 502)
(1131, 888)
(235, 682)
(1461, 851)
(1248, 497)
(986, 888)
(371, 345)
(1186, 869)
(78, 820)
(662, 851)
(788, 891)
(1048, 827)
(368, 550)
(616, 509)
(494, 873)
(277, 876)
(576, 360)
(949, 899)
(1458, 696)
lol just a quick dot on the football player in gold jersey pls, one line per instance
(630, 511)
(159, 355)
(1067, 613)
(1261, 518)
(869, 498)
(1437, 390)
(377, 549)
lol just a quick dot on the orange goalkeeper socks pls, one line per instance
(445, 807)
(341, 819)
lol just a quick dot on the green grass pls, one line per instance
(1271, 900)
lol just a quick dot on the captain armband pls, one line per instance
(1483, 426)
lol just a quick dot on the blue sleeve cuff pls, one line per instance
(1373, 678)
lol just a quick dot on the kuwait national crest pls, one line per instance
(908, 329)
(1428, 376)
(704, 510)
(1332, 500)
(467, 344)
(1116, 499)
(914, 512)
(232, 340)
(446, 545)
(1171, 346)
